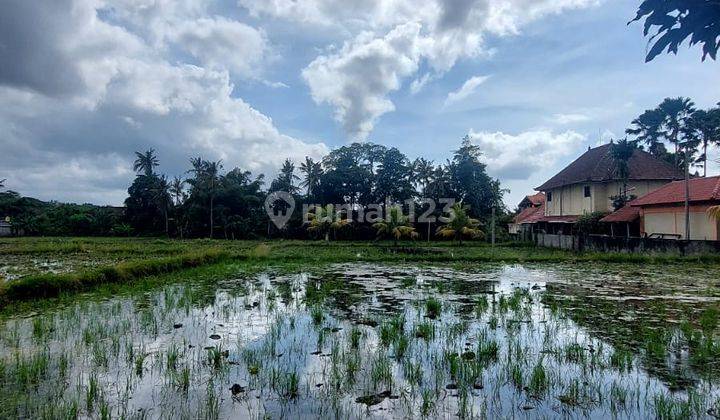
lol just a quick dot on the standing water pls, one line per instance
(374, 341)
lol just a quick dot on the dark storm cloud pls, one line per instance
(455, 13)
(31, 50)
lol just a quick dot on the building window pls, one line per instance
(549, 196)
(587, 191)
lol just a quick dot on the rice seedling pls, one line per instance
(425, 330)
(317, 315)
(355, 336)
(539, 382)
(433, 307)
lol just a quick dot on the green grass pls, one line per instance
(50, 285)
(143, 257)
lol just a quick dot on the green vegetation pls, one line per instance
(252, 330)
(212, 203)
(82, 263)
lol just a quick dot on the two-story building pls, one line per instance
(589, 184)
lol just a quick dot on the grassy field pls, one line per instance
(47, 267)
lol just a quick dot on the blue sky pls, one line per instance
(84, 83)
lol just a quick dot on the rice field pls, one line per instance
(357, 340)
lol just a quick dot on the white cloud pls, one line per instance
(570, 118)
(467, 89)
(356, 79)
(224, 44)
(418, 84)
(128, 93)
(395, 38)
(519, 156)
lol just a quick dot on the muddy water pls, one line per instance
(373, 341)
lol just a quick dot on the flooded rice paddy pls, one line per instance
(377, 341)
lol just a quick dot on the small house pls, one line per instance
(662, 212)
(590, 183)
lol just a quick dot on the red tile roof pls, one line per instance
(701, 189)
(598, 165)
(626, 214)
(536, 199)
(530, 215)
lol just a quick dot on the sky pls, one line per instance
(534, 83)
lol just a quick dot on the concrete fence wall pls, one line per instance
(618, 244)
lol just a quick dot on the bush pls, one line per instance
(589, 223)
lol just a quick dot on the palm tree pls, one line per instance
(313, 172)
(212, 173)
(423, 173)
(2, 182)
(325, 219)
(177, 189)
(706, 126)
(621, 152)
(676, 116)
(646, 129)
(145, 162)
(207, 177)
(162, 198)
(396, 225)
(460, 224)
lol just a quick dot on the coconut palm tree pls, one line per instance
(705, 125)
(621, 152)
(207, 180)
(676, 117)
(646, 129)
(162, 199)
(145, 162)
(460, 225)
(325, 219)
(2, 183)
(212, 174)
(423, 172)
(177, 189)
(396, 225)
(313, 172)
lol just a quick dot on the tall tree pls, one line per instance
(312, 174)
(621, 153)
(177, 189)
(674, 21)
(146, 162)
(471, 183)
(676, 114)
(205, 183)
(162, 199)
(285, 180)
(393, 177)
(647, 130)
(705, 126)
(423, 171)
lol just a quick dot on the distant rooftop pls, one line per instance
(598, 165)
(535, 199)
(701, 190)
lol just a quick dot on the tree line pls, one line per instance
(210, 201)
(678, 124)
